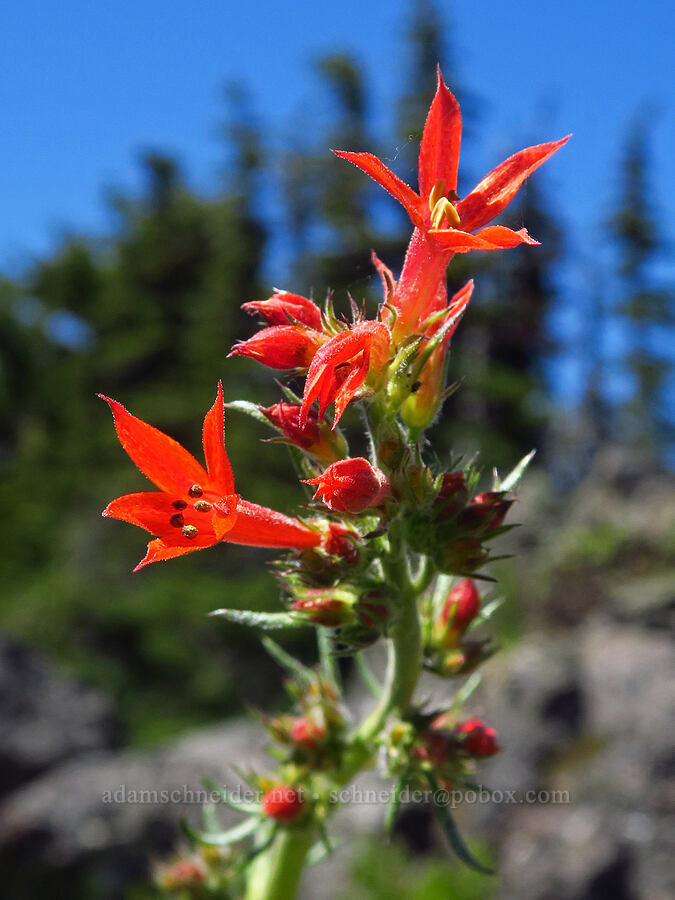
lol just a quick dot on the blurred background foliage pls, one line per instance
(148, 312)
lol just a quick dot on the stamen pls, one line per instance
(442, 210)
(196, 490)
(437, 193)
(177, 520)
(203, 506)
(179, 504)
(190, 531)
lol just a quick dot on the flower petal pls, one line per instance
(159, 457)
(498, 188)
(159, 550)
(281, 346)
(213, 439)
(258, 526)
(439, 152)
(377, 170)
(494, 237)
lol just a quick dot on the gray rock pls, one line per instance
(46, 717)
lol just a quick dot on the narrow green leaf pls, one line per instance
(268, 621)
(455, 839)
(392, 808)
(250, 409)
(286, 661)
(246, 808)
(369, 680)
(466, 690)
(514, 476)
(231, 836)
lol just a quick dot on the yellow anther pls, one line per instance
(190, 532)
(444, 209)
(437, 193)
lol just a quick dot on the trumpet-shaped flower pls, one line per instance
(195, 507)
(444, 223)
(341, 366)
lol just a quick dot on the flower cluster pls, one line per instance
(389, 546)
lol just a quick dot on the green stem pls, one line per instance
(275, 874)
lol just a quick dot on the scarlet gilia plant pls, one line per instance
(391, 548)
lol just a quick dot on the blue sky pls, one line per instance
(84, 87)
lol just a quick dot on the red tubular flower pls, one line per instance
(281, 346)
(313, 435)
(477, 738)
(444, 223)
(351, 485)
(195, 507)
(283, 308)
(282, 803)
(459, 610)
(342, 364)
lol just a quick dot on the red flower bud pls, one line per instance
(452, 496)
(460, 556)
(281, 346)
(283, 803)
(477, 738)
(372, 609)
(183, 875)
(282, 308)
(341, 541)
(486, 512)
(323, 608)
(314, 437)
(351, 485)
(434, 748)
(461, 607)
(306, 733)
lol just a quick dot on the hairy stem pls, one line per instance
(275, 874)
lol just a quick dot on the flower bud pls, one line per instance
(282, 308)
(477, 738)
(461, 556)
(341, 541)
(282, 803)
(281, 346)
(485, 513)
(306, 733)
(465, 658)
(314, 436)
(183, 874)
(459, 610)
(452, 497)
(351, 485)
(434, 749)
(328, 608)
(373, 610)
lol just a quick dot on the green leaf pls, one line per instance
(250, 409)
(288, 662)
(392, 808)
(367, 676)
(231, 836)
(246, 808)
(455, 839)
(466, 690)
(514, 476)
(268, 621)
(486, 613)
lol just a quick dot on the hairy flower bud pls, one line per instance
(281, 346)
(351, 485)
(328, 608)
(306, 733)
(477, 738)
(282, 308)
(459, 610)
(452, 496)
(283, 803)
(341, 541)
(458, 557)
(314, 436)
(485, 513)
